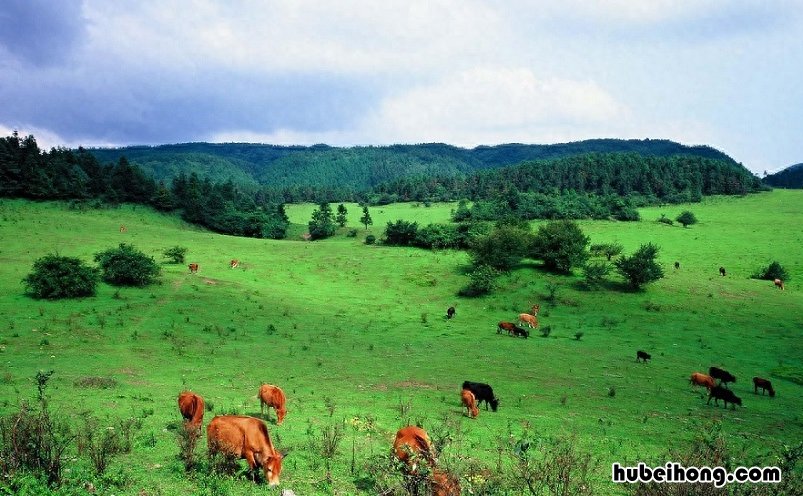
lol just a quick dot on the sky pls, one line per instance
(724, 73)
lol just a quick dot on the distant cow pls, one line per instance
(518, 331)
(505, 326)
(722, 271)
(248, 438)
(123, 229)
(700, 379)
(723, 375)
(482, 392)
(411, 445)
(450, 312)
(234, 263)
(193, 268)
(726, 395)
(764, 384)
(677, 265)
(272, 396)
(642, 355)
(470, 402)
(530, 320)
(191, 407)
(778, 284)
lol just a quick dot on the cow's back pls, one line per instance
(191, 407)
(412, 440)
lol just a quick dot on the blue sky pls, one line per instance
(724, 73)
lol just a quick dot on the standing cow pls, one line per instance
(470, 402)
(764, 384)
(450, 312)
(273, 396)
(482, 392)
(193, 268)
(722, 271)
(191, 407)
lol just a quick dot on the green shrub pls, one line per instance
(127, 266)
(665, 220)
(686, 218)
(401, 233)
(561, 245)
(503, 248)
(594, 274)
(55, 277)
(771, 272)
(483, 281)
(352, 233)
(176, 254)
(641, 267)
(370, 239)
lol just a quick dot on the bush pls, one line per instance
(641, 267)
(594, 274)
(771, 272)
(686, 218)
(483, 281)
(561, 245)
(437, 236)
(175, 255)
(55, 277)
(665, 220)
(352, 233)
(503, 248)
(627, 214)
(370, 239)
(127, 266)
(609, 250)
(401, 233)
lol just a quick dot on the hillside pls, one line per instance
(791, 177)
(363, 168)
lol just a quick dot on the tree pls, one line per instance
(561, 245)
(771, 272)
(322, 224)
(503, 248)
(175, 254)
(594, 274)
(55, 277)
(366, 217)
(482, 281)
(686, 218)
(342, 213)
(608, 249)
(127, 266)
(401, 233)
(640, 268)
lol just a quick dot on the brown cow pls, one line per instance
(272, 396)
(530, 320)
(193, 268)
(234, 263)
(123, 229)
(764, 384)
(248, 438)
(470, 402)
(778, 284)
(505, 326)
(191, 407)
(411, 444)
(443, 484)
(700, 379)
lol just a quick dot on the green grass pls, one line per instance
(361, 329)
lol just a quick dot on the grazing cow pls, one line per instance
(450, 312)
(642, 355)
(778, 284)
(534, 310)
(443, 484)
(193, 268)
(272, 396)
(470, 402)
(412, 443)
(677, 265)
(234, 263)
(191, 407)
(722, 271)
(482, 392)
(723, 375)
(248, 438)
(530, 320)
(505, 326)
(700, 379)
(518, 331)
(123, 229)
(726, 395)
(764, 384)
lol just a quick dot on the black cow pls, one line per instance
(764, 384)
(450, 312)
(642, 355)
(677, 265)
(722, 271)
(483, 392)
(723, 375)
(726, 395)
(518, 331)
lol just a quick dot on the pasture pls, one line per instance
(356, 336)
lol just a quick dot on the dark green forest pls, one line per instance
(791, 177)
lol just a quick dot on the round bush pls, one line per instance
(127, 266)
(55, 277)
(370, 239)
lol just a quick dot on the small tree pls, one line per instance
(366, 217)
(322, 224)
(401, 233)
(176, 254)
(561, 245)
(483, 281)
(594, 274)
(55, 277)
(503, 248)
(342, 214)
(771, 272)
(462, 213)
(608, 249)
(686, 218)
(127, 266)
(641, 267)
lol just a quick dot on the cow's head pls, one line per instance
(494, 404)
(272, 467)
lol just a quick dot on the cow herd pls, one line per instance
(720, 391)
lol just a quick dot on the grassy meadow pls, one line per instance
(356, 335)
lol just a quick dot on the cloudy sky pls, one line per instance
(727, 73)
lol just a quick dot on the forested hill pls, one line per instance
(791, 177)
(363, 168)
